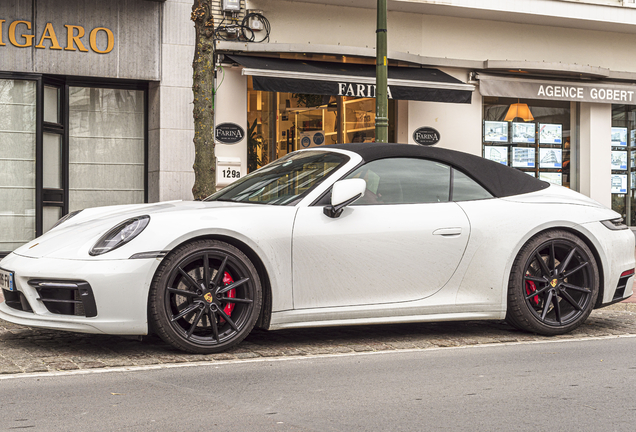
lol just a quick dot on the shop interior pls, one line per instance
(279, 123)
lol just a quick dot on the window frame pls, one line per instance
(60, 198)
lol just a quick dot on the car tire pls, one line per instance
(554, 283)
(205, 297)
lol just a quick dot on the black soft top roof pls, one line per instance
(498, 179)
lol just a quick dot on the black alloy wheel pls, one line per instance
(205, 297)
(554, 284)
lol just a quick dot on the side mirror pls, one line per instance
(343, 193)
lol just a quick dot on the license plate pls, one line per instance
(6, 280)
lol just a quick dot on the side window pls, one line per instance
(404, 181)
(466, 189)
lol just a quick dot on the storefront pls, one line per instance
(295, 102)
(578, 134)
(73, 110)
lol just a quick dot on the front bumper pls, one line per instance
(119, 287)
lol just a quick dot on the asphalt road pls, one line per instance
(582, 385)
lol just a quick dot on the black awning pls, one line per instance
(346, 79)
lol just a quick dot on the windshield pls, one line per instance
(283, 181)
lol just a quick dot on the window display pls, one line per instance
(539, 144)
(619, 136)
(496, 154)
(550, 133)
(495, 131)
(279, 123)
(523, 157)
(619, 183)
(523, 133)
(550, 158)
(552, 177)
(623, 163)
(619, 160)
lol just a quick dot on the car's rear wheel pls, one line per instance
(553, 284)
(205, 297)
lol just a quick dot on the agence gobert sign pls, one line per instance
(19, 34)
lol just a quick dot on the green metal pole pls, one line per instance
(381, 72)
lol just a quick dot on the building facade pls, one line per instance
(96, 99)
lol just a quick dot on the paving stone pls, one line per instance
(62, 365)
(29, 350)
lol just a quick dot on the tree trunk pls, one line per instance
(203, 89)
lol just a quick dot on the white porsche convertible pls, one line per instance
(342, 235)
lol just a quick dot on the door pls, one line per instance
(401, 242)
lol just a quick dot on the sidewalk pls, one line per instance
(29, 350)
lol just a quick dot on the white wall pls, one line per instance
(448, 37)
(595, 152)
(231, 107)
(459, 125)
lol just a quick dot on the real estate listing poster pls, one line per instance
(619, 160)
(550, 158)
(619, 136)
(495, 131)
(496, 154)
(550, 133)
(523, 133)
(551, 177)
(523, 157)
(619, 183)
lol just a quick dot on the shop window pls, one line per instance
(623, 163)
(17, 162)
(279, 123)
(530, 135)
(65, 148)
(106, 147)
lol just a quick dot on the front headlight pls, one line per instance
(615, 224)
(120, 235)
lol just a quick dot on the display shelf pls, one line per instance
(365, 129)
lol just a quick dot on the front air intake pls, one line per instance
(66, 297)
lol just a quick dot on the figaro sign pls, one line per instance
(19, 34)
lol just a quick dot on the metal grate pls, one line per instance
(66, 297)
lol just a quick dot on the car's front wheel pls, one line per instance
(553, 284)
(205, 297)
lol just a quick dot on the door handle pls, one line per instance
(448, 232)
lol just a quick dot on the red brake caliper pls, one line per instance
(227, 279)
(530, 288)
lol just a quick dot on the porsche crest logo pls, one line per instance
(553, 283)
(208, 297)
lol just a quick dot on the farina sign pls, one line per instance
(229, 133)
(426, 136)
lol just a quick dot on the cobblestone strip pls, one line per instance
(27, 350)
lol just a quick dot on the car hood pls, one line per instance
(90, 224)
